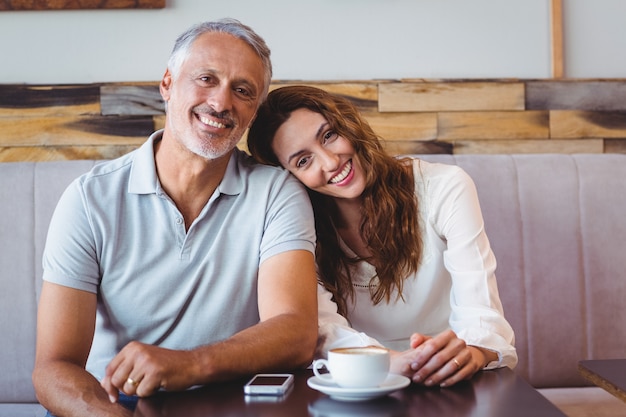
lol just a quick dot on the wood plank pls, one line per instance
(408, 147)
(493, 125)
(609, 95)
(159, 122)
(528, 146)
(62, 153)
(587, 124)
(80, 4)
(556, 29)
(91, 130)
(615, 146)
(135, 100)
(450, 96)
(399, 126)
(28, 100)
(364, 95)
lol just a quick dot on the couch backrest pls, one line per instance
(557, 225)
(28, 196)
(555, 222)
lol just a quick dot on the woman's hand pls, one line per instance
(442, 360)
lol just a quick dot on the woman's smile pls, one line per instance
(344, 176)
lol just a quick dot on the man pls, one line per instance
(181, 263)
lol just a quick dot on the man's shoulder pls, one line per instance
(267, 179)
(107, 169)
(255, 169)
(245, 159)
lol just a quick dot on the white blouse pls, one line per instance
(455, 287)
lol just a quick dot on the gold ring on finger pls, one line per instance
(458, 365)
(132, 382)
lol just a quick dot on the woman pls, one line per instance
(401, 243)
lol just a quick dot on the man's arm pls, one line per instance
(65, 329)
(285, 337)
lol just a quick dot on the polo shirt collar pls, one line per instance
(232, 183)
(143, 177)
(144, 180)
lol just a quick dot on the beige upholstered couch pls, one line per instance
(557, 224)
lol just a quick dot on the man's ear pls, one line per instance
(165, 85)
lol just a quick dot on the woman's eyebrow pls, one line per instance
(322, 127)
(293, 155)
(317, 135)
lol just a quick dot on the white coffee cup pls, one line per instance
(355, 367)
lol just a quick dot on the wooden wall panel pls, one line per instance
(363, 94)
(528, 146)
(80, 4)
(605, 95)
(405, 147)
(451, 96)
(614, 145)
(493, 125)
(105, 120)
(577, 124)
(135, 100)
(78, 131)
(23, 100)
(403, 126)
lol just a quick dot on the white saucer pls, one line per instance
(389, 385)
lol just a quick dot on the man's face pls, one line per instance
(213, 98)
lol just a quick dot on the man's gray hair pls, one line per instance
(233, 27)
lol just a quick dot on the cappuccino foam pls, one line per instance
(368, 350)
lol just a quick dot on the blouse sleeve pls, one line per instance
(477, 315)
(334, 330)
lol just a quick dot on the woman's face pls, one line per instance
(321, 159)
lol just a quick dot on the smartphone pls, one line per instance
(269, 384)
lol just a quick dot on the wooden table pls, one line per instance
(495, 393)
(609, 374)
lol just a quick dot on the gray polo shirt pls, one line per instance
(116, 233)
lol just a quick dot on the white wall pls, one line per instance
(323, 39)
(595, 43)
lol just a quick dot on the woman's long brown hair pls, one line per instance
(390, 224)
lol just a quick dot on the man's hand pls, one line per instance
(142, 370)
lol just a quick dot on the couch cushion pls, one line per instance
(22, 410)
(17, 283)
(28, 195)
